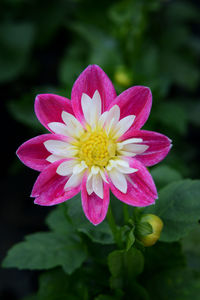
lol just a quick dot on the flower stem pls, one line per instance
(126, 213)
(113, 227)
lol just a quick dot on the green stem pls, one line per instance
(126, 213)
(113, 227)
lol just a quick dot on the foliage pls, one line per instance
(44, 45)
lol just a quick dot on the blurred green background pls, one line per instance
(44, 45)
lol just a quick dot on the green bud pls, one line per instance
(156, 227)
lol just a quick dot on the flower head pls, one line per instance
(95, 145)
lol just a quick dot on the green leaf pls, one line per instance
(178, 206)
(130, 239)
(115, 262)
(126, 263)
(177, 284)
(104, 297)
(193, 109)
(163, 256)
(99, 234)
(45, 251)
(104, 49)
(72, 64)
(56, 285)
(57, 12)
(59, 221)
(16, 40)
(191, 248)
(138, 291)
(23, 111)
(125, 266)
(164, 174)
(172, 115)
(183, 11)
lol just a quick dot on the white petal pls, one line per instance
(91, 108)
(89, 185)
(133, 140)
(120, 145)
(73, 181)
(119, 180)
(66, 168)
(126, 153)
(86, 107)
(97, 185)
(114, 112)
(57, 147)
(110, 126)
(103, 176)
(135, 148)
(123, 125)
(96, 100)
(59, 128)
(74, 127)
(78, 168)
(52, 158)
(110, 165)
(122, 162)
(112, 118)
(102, 119)
(126, 170)
(95, 170)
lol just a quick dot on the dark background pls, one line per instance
(44, 45)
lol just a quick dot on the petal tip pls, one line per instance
(96, 222)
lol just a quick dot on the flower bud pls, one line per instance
(157, 226)
(123, 77)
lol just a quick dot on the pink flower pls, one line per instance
(95, 145)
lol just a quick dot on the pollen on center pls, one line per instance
(96, 148)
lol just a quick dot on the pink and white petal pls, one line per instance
(33, 153)
(141, 190)
(136, 101)
(49, 107)
(94, 207)
(118, 180)
(92, 79)
(49, 187)
(159, 145)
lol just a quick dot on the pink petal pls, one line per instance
(159, 145)
(33, 152)
(141, 189)
(49, 107)
(136, 101)
(49, 187)
(91, 79)
(94, 207)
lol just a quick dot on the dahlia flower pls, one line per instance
(95, 145)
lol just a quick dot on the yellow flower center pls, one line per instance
(96, 148)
